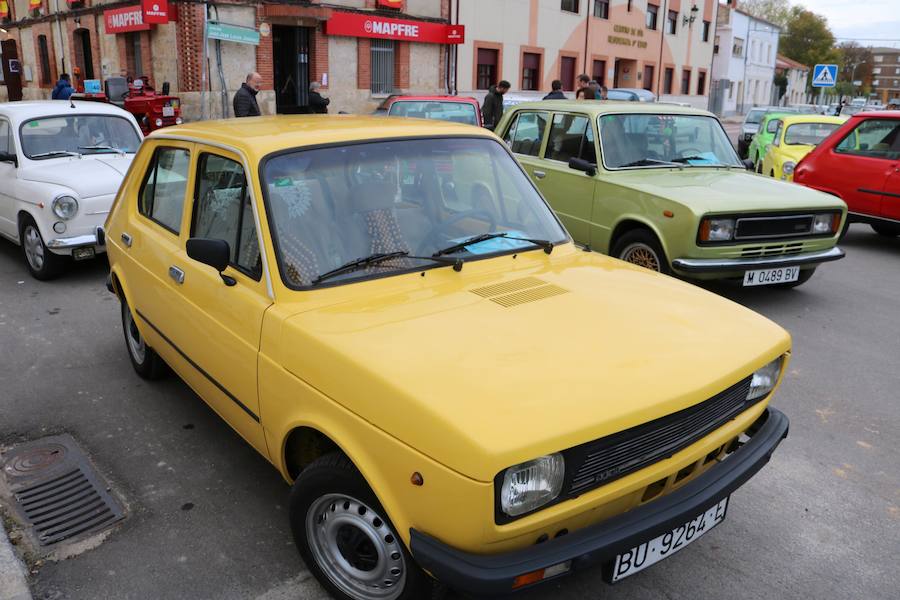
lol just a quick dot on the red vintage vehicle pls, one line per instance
(459, 109)
(151, 109)
(860, 163)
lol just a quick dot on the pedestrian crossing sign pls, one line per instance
(824, 76)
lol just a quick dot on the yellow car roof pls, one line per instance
(261, 135)
(794, 119)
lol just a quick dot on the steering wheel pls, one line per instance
(431, 239)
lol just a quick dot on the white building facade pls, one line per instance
(796, 74)
(744, 56)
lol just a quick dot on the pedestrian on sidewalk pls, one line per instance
(585, 93)
(492, 109)
(317, 102)
(63, 89)
(557, 93)
(244, 102)
(583, 81)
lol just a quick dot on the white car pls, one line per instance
(61, 164)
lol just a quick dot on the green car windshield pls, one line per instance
(660, 141)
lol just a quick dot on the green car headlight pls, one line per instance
(713, 229)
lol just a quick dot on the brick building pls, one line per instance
(359, 50)
(886, 75)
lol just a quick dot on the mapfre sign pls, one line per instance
(123, 20)
(397, 4)
(155, 11)
(369, 26)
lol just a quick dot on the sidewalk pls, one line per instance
(13, 584)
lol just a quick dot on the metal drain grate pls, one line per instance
(56, 490)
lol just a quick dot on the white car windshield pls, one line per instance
(459, 112)
(332, 206)
(660, 140)
(60, 135)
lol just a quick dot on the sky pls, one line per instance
(857, 19)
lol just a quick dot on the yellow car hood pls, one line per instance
(491, 366)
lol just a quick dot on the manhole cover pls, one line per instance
(56, 491)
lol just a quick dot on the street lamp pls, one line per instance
(686, 20)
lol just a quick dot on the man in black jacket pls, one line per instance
(492, 109)
(557, 93)
(245, 98)
(317, 102)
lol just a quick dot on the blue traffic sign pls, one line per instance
(824, 76)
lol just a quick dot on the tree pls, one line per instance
(856, 64)
(773, 11)
(808, 39)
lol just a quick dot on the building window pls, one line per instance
(629, 5)
(716, 45)
(44, 55)
(601, 9)
(133, 56)
(876, 71)
(672, 22)
(648, 77)
(737, 50)
(706, 28)
(382, 64)
(879, 58)
(701, 83)
(667, 80)
(531, 69)
(686, 82)
(567, 72)
(652, 12)
(569, 5)
(487, 68)
(598, 72)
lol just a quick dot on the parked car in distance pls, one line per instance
(382, 108)
(763, 138)
(859, 164)
(459, 109)
(751, 125)
(631, 95)
(337, 289)
(661, 186)
(60, 166)
(795, 138)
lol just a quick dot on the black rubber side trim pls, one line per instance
(493, 575)
(878, 192)
(199, 368)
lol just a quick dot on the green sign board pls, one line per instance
(232, 33)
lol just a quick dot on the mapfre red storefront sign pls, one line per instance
(370, 26)
(398, 4)
(123, 20)
(155, 11)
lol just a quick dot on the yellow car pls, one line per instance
(389, 312)
(795, 137)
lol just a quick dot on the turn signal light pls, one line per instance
(541, 574)
(836, 222)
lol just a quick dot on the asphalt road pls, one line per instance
(207, 516)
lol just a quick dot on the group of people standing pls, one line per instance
(245, 104)
(492, 109)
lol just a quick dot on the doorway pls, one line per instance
(12, 70)
(625, 73)
(84, 58)
(290, 57)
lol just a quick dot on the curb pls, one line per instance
(13, 581)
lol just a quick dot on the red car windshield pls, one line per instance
(458, 112)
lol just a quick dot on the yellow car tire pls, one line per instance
(147, 363)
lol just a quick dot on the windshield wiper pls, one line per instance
(110, 148)
(374, 259)
(55, 153)
(685, 159)
(545, 244)
(650, 161)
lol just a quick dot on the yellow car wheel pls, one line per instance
(145, 361)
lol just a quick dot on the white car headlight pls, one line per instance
(826, 223)
(532, 484)
(159, 122)
(763, 381)
(788, 167)
(65, 207)
(716, 230)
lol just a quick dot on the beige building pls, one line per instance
(664, 46)
(796, 74)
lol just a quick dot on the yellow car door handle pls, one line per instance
(126, 239)
(176, 274)
(540, 174)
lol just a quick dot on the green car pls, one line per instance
(662, 187)
(765, 135)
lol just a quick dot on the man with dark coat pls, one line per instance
(63, 88)
(557, 93)
(492, 109)
(317, 102)
(245, 98)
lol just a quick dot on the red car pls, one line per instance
(860, 163)
(443, 108)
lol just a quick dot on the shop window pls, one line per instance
(706, 28)
(648, 77)
(569, 5)
(382, 55)
(667, 80)
(601, 9)
(487, 68)
(737, 50)
(672, 22)
(44, 58)
(701, 83)
(598, 72)
(531, 68)
(686, 82)
(133, 56)
(652, 16)
(567, 72)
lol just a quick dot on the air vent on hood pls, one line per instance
(519, 291)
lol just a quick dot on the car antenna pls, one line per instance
(71, 102)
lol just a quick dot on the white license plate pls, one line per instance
(168, 111)
(83, 253)
(642, 556)
(771, 276)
